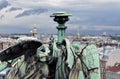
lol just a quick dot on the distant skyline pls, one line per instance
(89, 16)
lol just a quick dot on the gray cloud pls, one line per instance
(90, 15)
(101, 15)
(3, 4)
(1, 17)
(31, 12)
(14, 9)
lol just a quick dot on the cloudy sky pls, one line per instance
(89, 16)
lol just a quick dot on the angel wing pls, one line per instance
(90, 62)
(19, 49)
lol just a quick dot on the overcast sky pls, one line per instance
(89, 16)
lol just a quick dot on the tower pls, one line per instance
(78, 35)
(33, 31)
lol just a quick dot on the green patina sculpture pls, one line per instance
(73, 62)
(31, 59)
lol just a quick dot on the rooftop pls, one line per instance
(114, 69)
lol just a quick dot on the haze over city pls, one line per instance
(89, 16)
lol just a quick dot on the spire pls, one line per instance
(78, 34)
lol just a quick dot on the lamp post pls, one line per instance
(61, 18)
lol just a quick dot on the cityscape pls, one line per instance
(108, 47)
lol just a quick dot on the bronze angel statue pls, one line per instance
(31, 59)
